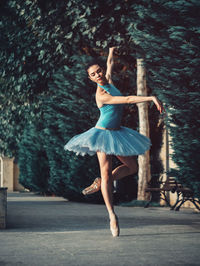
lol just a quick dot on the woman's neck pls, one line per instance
(102, 83)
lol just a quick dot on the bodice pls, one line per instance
(110, 114)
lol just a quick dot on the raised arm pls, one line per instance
(110, 63)
(106, 98)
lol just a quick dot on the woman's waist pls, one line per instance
(110, 119)
(108, 128)
(105, 123)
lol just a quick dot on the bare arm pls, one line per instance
(110, 63)
(105, 98)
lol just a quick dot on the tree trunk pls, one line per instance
(143, 160)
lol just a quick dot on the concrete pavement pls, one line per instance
(54, 232)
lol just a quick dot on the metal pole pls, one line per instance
(167, 152)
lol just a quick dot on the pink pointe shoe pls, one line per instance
(115, 229)
(96, 186)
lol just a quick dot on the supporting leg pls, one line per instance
(105, 163)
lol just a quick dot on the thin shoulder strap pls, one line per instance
(106, 87)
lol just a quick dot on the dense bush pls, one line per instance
(33, 161)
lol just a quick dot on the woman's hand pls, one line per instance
(158, 104)
(112, 49)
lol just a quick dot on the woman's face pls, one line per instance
(96, 74)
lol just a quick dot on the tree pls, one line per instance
(143, 160)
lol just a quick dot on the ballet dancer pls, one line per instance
(108, 138)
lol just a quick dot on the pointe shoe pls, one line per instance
(115, 230)
(96, 186)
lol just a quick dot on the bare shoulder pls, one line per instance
(100, 94)
(100, 91)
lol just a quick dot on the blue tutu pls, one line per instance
(123, 142)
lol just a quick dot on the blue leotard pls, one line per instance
(110, 114)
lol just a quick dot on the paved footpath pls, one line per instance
(50, 231)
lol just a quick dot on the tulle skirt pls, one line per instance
(124, 142)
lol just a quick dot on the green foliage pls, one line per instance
(68, 111)
(33, 162)
(33, 46)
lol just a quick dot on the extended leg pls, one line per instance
(128, 167)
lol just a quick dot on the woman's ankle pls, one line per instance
(112, 215)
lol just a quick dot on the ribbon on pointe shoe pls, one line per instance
(96, 186)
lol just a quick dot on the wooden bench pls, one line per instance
(171, 185)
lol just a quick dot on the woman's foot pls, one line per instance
(96, 186)
(114, 225)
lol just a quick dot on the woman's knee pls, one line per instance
(130, 162)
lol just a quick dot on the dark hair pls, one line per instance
(92, 63)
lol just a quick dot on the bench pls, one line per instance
(171, 185)
(3, 207)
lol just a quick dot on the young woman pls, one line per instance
(109, 138)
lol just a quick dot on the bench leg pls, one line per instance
(149, 202)
(177, 201)
(175, 206)
(165, 199)
(184, 199)
(178, 207)
(194, 202)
